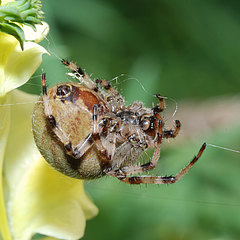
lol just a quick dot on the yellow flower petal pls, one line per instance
(42, 200)
(7, 45)
(20, 142)
(50, 203)
(38, 35)
(17, 66)
(4, 129)
(7, 1)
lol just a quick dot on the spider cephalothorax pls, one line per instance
(85, 131)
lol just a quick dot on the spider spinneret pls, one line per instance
(86, 131)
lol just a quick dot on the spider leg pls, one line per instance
(114, 100)
(161, 179)
(161, 105)
(172, 133)
(48, 113)
(82, 147)
(159, 108)
(96, 131)
(111, 144)
(80, 74)
(108, 87)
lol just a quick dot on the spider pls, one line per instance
(86, 131)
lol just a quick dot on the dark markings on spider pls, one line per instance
(94, 133)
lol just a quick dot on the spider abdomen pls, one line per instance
(71, 106)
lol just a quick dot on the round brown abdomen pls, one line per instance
(77, 125)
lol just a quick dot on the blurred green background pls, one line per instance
(188, 51)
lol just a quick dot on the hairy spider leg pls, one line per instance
(81, 74)
(96, 133)
(107, 152)
(161, 105)
(76, 151)
(162, 179)
(108, 87)
(172, 133)
(106, 157)
(114, 94)
(114, 97)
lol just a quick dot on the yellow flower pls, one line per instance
(7, 1)
(34, 198)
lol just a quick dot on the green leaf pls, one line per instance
(14, 30)
(8, 11)
(24, 12)
(25, 6)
